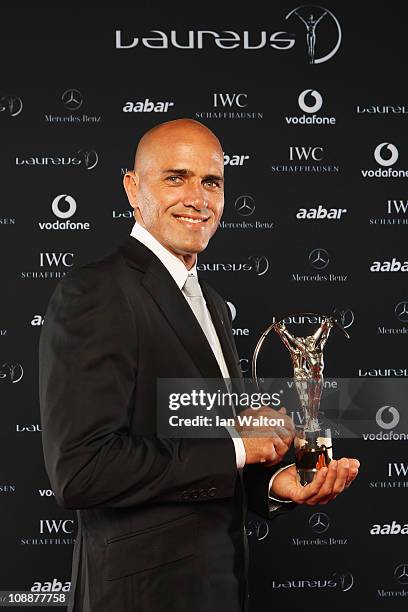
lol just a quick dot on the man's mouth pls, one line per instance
(191, 218)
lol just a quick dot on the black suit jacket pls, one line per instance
(160, 520)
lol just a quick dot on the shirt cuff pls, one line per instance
(276, 499)
(240, 454)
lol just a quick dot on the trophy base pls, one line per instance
(306, 476)
(312, 452)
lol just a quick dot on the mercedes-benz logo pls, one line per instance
(319, 522)
(395, 417)
(72, 99)
(344, 316)
(401, 312)
(319, 259)
(245, 205)
(257, 528)
(401, 573)
(12, 104)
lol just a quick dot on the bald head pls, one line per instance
(167, 135)
(177, 186)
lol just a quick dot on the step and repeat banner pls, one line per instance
(310, 104)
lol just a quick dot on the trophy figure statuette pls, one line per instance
(313, 445)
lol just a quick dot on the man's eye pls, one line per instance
(174, 179)
(212, 183)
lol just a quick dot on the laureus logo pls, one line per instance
(11, 105)
(344, 316)
(311, 16)
(323, 36)
(259, 529)
(11, 372)
(260, 265)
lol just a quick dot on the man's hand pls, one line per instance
(266, 444)
(326, 485)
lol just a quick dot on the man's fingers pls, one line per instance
(321, 488)
(312, 489)
(343, 468)
(281, 447)
(335, 482)
(353, 471)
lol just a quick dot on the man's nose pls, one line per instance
(195, 196)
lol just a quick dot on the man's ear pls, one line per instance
(131, 185)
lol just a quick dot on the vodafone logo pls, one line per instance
(390, 158)
(61, 214)
(315, 95)
(390, 422)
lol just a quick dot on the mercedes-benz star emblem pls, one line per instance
(72, 99)
(319, 522)
(401, 573)
(245, 205)
(401, 312)
(319, 259)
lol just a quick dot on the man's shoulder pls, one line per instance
(98, 271)
(100, 277)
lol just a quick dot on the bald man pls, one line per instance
(160, 520)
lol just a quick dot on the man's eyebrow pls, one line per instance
(185, 172)
(181, 171)
(213, 177)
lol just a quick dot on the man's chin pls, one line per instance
(190, 248)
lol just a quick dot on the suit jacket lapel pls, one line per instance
(219, 325)
(175, 308)
(165, 292)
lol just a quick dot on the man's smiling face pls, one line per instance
(177, 187)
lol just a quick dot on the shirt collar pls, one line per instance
(173, 264)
